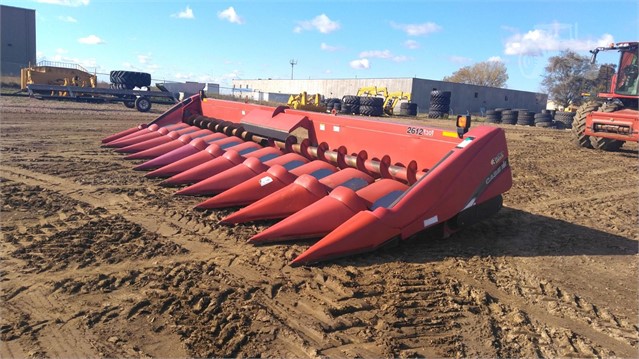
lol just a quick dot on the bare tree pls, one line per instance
(570, 76)
(487, 73)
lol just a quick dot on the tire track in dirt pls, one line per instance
(415, 309)
(226, 298)
(549, 309)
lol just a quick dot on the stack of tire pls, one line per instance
(493, 116)
(543, 119)
(371, 106)
(509, 117)
(407, 109)
(350, 105)
(525, 117)
(563, 120)
(334, 104)
(439, 104)
(127, 80)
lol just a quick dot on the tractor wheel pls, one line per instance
(579, 123)
(129, 104)
(142, 104)
(607, 144)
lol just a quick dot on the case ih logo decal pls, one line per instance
(496, 172)
(497, 158)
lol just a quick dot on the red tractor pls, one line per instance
(613, 118)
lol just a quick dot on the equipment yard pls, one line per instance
(98, 261)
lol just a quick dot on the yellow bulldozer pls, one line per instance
(307, 102)
(394, 98)
(373, 91)
(391, 99)
(56, 73)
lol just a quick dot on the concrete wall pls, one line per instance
(329, 88)
(464, 98)
(471, 98)
(17, 39)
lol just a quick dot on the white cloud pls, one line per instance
(235, 74)
(231, 16)
(91, 40)
(360, 64)
(495, 59)
(321, 23)
(143, 64)
(536, 42)
(401, 58)
(181, 76)
(417, 29)
(383, 54)
(328, 48)
(411, 44)
(73, 3)
(144, 59)
(379, 54)
(328, 72)
(89, 64)
(67, 19)
(460, 60)
(185, 14)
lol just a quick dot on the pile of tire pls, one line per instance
(543, 119)
(371, 106)
(525, 117)
(127, 80)
(509, 117)
(439, 104)
(333, 104)
(493, 116)
(563, 119)
(350, 105)
(407, 109)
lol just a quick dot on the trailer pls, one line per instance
(138, 99)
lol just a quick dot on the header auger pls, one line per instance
(354, 183)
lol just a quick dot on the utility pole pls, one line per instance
(293, 62)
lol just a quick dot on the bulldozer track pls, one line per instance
(97, 260)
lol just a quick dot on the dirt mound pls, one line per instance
(99, 261)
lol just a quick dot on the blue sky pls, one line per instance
(217, 41)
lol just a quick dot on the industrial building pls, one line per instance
(464, 98)
(18, 39)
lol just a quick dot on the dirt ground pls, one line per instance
(98, 261)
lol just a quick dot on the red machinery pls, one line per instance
(606, 123)
(355, 183)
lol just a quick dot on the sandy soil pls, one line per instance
(96, 260)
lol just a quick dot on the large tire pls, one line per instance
(371, 101)
(353, 100)
(607, 144)
(544, 124)
(525, 118)
(370, 110)
(542, 117)
(579, 123)
(130, 79)
(412, 109)
(565, 118)
(346, 109)
(435, 114)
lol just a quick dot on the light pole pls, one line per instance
(293, 62)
